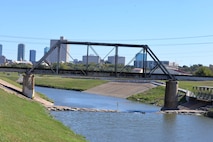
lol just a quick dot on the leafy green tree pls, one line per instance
(211, 67)
(64, 66)
(192, 69)
(204, 71)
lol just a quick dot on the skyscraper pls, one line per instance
(140, 59)
(64, 53)
(46, 49)
(32, 56)
(21, 52)
(0, 49)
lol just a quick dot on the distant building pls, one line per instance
(91, 59)
(32, 56)
(1, 49)
(140, 60)
(23, 62)
(64, 53)
(2, 60)
(46, 49)
(167, 64)
(21, 52)
(121, 60)
(76, 61)
(137, 70)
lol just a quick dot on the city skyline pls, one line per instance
(179, 31)
(91, 58)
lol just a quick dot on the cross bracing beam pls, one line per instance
(160, 65)
(45, 56)
(103, 44)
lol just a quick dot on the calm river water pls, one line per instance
(129, 125)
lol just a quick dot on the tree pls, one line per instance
(204, 71)
(211, 67)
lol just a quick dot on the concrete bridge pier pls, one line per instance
(28, 85)
(171, 96)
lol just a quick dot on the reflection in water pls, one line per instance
(125, 126)
(170, 126)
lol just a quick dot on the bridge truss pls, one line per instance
(145, 48)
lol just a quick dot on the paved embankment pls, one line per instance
(120, 89)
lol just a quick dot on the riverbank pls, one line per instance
(144, 91)
(23, 119)
(120, 89)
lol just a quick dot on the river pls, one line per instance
(129, 124)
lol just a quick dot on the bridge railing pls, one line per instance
(203, 93)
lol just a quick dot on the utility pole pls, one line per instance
(116, 60)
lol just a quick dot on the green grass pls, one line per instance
(10, 78)
(188, 85)
(22, 120)
(156, 95)
(44, 97)
(67, 83)
(153, 96)
(54, 81)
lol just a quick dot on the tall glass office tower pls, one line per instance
(0, 49)
(140, 59)
(21, 52)
(32, 56)
(46, 49)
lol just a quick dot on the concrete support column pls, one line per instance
(28, 85)
(171, 96)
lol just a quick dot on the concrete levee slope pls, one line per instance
(120, 89)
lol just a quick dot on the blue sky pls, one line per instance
(176, 30)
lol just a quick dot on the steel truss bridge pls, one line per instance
(86, 72)
(144, 48)
(106, 74)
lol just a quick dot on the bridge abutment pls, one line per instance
(171, 95)
(28, 85)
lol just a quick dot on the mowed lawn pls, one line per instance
(156, 95)
(24, 120)
(54, 81)
(188, 85)
(79, 84)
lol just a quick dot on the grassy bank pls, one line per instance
(156, 95)
(54, 81)
(153, 96)
(22, 120)
(188, 85)
(78, 84)
(10, 78)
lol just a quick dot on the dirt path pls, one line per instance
(120, 89)
(18, 91)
